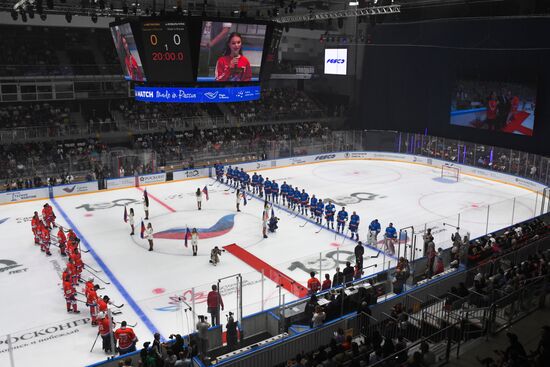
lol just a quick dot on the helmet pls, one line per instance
(101, 315)
(90, 279)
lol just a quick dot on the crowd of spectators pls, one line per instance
(133, 111)
(178, 146)
(493, 158)
(47, 115)
(277, 104)
(41, 164)
(487, 247)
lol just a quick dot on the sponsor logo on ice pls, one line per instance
(222, 226)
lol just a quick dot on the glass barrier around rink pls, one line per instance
(242, 294)
(61, 342)
(480, 219)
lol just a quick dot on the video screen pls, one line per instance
(495, 106)
(230, 52)
(336, 61)
(127, 52)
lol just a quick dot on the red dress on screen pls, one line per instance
(133, 69)
(492, 110)
(242, 72)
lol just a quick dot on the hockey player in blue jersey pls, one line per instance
(390, 237)
(275, 192)
(284, 192)
(342, 218)
(374, 229)
(290, 197)
(267, 188)
(247, 181)
(312, 205)
(228, 175)
(297, 197)
(319, 211)
(304, 202)
(260, 185)
(329, 214)
(219, 172)
(254, 182)
(354, 226)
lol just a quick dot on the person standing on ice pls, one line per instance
(194, 241)
(198, 194)
(131, 220)
(146, 205)
(238, 197)
(354, 226)
(149, 235)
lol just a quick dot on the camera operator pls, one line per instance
(232, 337)
(202, 328)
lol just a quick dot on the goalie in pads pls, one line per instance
(215, 255)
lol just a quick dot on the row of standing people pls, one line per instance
(300, 201)
(69, 246)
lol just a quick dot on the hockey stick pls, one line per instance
(122, 305)
(320, 229)
(130, 325)
(374, 257)
(95, 341)
(303, 225)
(92, 269)
(95, 275)
(116, 313)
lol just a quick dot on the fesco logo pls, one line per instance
(323, 157)
(336, 61)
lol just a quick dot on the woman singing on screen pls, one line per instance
(233, 66)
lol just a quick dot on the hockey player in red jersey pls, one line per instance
(70, 296)
(77, 261)
(102, 303)
(126, 339)
(49, 216)
(72, 272)
(91, 299)
(104, 329)
(34, 225)
(62, 241)
(45, 240)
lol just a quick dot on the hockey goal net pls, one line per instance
(450, 172)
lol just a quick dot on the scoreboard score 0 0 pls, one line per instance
(166, 50)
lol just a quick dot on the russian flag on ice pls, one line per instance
(187, 234)
(205, 192)
(125, 215)
(142, 229)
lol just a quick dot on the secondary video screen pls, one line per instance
(495, 106)
(127, 52)
(230, 52)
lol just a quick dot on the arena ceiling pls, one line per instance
(270, 9)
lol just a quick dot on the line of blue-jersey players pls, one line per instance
(298, 200)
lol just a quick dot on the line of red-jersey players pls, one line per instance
(69, 246)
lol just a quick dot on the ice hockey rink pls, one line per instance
(151, 284)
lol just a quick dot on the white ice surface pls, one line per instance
(403, 193)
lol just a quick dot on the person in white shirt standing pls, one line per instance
(149, 235)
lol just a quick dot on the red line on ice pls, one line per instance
(158, 200)
(269, 271)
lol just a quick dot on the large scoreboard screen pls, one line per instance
(166, 51)
(195, 49)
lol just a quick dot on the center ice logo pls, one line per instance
(222, 226)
